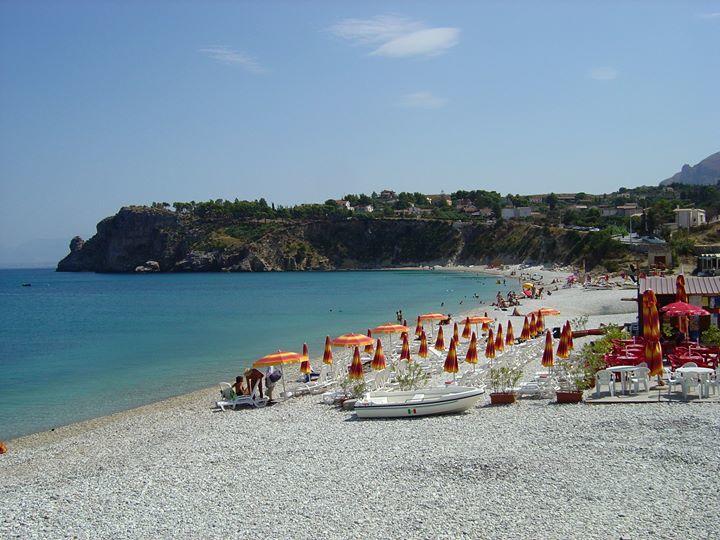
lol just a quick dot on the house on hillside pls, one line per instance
(388, 195)
(340, 203)
(363, 208)
(438, 200)
(516, 212)
(628, 209)
(686, 218)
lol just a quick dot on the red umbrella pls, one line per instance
(356, 368)
(547, 359)
(467, 329)
(471, 357)
(451, 362)
(369, 347)
(562, 348)
(533, 326)
(683, 309)
(540, 323)
(499, 342)
(305, 364)
(423, 350)
(653, 356)
(405, 351)
(327, 355)
(418, 327)
(378, 361)
(571, 346)
(440, 341)
(490, 347)
(510, 336)
(525, 335)
(456, 335)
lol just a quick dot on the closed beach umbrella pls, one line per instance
(423, 351)
(327, 354)
(471, 357)
(562, 348)
(540, 323)
(510, 336)
(405, 351)
(456, 335)
(680, 294)
(533, 326)
(467, 329)
(356, 368)
(305, 367)
(653, 356)
(525, 334)
(440, 341)
(570, 343)
(369, 347)
(547, 359)
(378, 361)
(418, 327)
(499, 343)
(451, 362)
(490, 346)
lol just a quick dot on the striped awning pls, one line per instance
(694, 286)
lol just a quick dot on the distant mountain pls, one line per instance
(707, 172)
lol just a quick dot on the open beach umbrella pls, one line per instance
(451, 362)
(356, 368)
(490, 346)
(279, 358)
(533, 326)
(368, 347)
(351, 340)
(456, 335)
(327, 354)
(467, 329)
(499, 342)
(405, 351)
(440, 341)
(546, 311)
(423, 350)
(547, 358)
(525, 334)
(378, 361)
(683, 309)
(484, 320)
(432, 317)
(471, 357)
(510, 336)
(418, 327)
(305, 367)
(389, 329)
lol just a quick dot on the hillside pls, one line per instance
(180, 242)
(707, 172)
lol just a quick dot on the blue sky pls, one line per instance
(107, 104)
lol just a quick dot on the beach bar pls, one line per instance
(703, 292)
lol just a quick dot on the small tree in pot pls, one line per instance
(502, 383)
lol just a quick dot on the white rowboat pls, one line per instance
(425, 401)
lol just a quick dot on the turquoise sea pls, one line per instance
(78, 346)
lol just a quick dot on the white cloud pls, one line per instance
(714, 15)
(603, 73)
(397, 37)
(423, 100)
(227, 55)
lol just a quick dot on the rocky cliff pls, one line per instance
(707, 172)
(141, 239)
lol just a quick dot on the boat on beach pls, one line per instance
(422, 402)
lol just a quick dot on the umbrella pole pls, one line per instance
(282, 373)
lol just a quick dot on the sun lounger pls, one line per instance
(253, 400)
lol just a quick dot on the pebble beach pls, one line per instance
(302, 469)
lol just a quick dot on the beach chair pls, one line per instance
(640, 376)
(322, 384)
(253, 400)
(604, 377)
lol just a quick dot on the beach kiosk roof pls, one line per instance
(694, 285)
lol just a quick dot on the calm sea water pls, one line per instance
(77, 346)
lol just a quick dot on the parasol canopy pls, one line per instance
(418, 327)
(490, 347)
(479, 319)
(352, 340)
(562, 348)
(571, 346)
(547, 358)
(653, 357)
(423, 350)
(471, 357)
(683, 309)
(432, 317)
(540, 323)
(279, 358)
(390, 329)
(680, 293)
(456, 334)
(547, 312)
(378, 361)
(356, 368)
(533, 326)
(451, 362)
(440, 341)
(327, 354)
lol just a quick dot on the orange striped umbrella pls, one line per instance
(510, 336)
(653, 356)
(327, 355)
(368, 347)
(499, 342)
(680, 293)
(547, 358)
(423, 351)
(479, 319)
(456, 335)
(356, 368)
(418, 327)
(432, 317)
(533, 326)
(472, 355)
(540, 323)
(467, 329)
(405, 351)
(378, 361)
(525, 334)
(546, 311)
(279, 358)
(390, 329)
(451, 362)
(352, 340)
(305, 364)
(490, 347)
(440, 341)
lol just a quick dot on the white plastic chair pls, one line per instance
(641, 376)
(715, 383)
(607, 378)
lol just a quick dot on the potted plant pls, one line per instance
(502, 383)
(574, 376)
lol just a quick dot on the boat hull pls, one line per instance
(434, 405)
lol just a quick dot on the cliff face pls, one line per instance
(707, 172)
(139, 239)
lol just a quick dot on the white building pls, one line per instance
(516, 212)
(685, 218)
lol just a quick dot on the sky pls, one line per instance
(105, 104)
